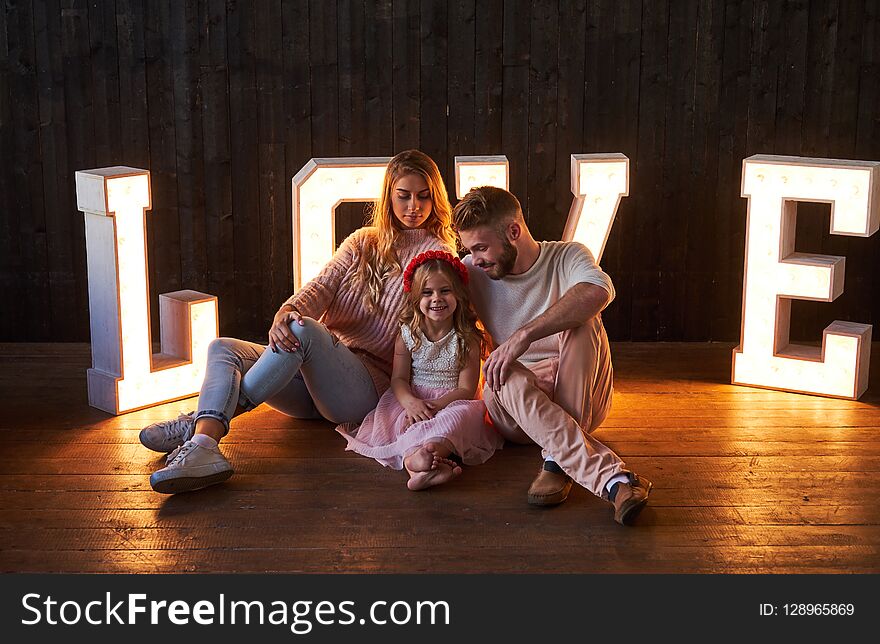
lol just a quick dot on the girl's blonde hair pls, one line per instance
(379, 260)
(464, 320)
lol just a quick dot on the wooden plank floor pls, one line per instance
(747, 481)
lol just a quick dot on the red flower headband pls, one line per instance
(427, 256)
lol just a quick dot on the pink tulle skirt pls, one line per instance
(385, 437)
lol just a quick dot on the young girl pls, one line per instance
(429, 413)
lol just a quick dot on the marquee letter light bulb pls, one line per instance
(318, 188)
(473, 172)
(125, 374)
(598, 182)
(775, 274)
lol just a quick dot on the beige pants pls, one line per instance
(557, 402)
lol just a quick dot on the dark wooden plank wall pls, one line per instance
(225, 101)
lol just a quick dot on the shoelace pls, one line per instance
(179, 452)
(177, 428)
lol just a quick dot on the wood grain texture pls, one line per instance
(516, 53)
(246, 252)
(164, 244)
(216, 159)
(225, 101)
(746, 481)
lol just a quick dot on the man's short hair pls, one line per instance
(486, 206)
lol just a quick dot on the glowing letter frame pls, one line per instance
(775, 274)
(598, 182)
(318, 188)
(473, 172)
(125, 375)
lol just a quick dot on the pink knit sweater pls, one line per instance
(336, 298)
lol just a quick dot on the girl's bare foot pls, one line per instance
(421, 460)
(442, 460)
(441, 474)
(428, 466)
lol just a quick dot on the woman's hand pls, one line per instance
(417, 410)
(281, 338)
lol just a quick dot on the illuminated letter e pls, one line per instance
(774, 274)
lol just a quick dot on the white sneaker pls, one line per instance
(168, 434)
(191, 467)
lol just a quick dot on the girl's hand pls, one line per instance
(417, 410)
(281, 338)
(436, 405)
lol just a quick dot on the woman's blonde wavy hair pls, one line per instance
(379, 260)
(464, 320)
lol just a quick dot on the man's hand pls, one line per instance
(499, 363)
(580, 303)
(280, 336)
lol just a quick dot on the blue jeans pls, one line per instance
(320, 379)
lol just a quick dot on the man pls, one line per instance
(549, 377)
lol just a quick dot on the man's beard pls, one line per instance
(505, 263)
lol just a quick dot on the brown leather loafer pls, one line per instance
(630, 498)
(550, 487)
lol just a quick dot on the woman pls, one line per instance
(335, 368)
